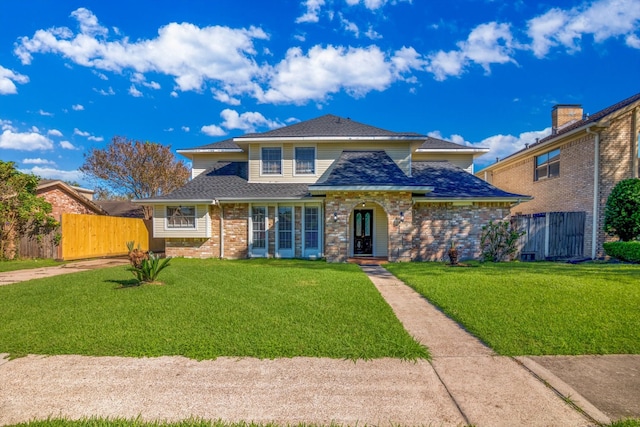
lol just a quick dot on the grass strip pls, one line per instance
(537, 308)
(206, 309)
(24, 264)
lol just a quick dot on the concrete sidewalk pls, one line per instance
(465, 383)
(9, 277)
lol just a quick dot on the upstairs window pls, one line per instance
(271, 161)
(305, 160)
(181, 217)
(548, 165)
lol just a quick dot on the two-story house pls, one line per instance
(575, 168)
(329, 187)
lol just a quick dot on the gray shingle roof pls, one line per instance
(450, 181)
(329, 126)
(227, 144)
(440, 144)
(355, 168)
(228, 181)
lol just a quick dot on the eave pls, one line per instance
(328, 138)
(516, 200)
(394, 188)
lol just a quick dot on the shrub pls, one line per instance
(145, 266)
(622, 213)
(499, 241)
(624, 251)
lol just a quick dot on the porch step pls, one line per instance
(368, 260)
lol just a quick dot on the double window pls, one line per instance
(181, 217)
(547, 165)
(305, 160)
(271, 161)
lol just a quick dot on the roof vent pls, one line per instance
(526, 145)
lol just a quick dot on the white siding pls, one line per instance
(203, 223)
(326, 155)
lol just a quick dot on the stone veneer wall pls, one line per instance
(438, 224)
(61, 202)
(338, 233)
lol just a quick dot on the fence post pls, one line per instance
(547, 218)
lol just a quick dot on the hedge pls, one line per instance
(624, 251)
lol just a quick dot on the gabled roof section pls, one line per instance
(453, 183)
(367, 170)
(226, 146)
(227, 181)
(435, 145)
(331, 127)
(78, 193)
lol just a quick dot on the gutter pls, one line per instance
(330, 138)
(515, 200)
(596, 191)
(413, 189)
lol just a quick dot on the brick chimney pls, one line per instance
(564, 114)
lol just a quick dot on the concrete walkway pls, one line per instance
(465, 383)
(9, 277)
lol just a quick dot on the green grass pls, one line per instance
(537, 308)
(206, 309)
(23, 264)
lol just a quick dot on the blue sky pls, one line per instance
(186, 73)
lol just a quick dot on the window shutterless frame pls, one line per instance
(304, 161)
(271, 161)
(181, 217)
(547, 165)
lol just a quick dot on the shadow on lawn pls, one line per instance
(124, 284)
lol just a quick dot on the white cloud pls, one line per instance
(38, 161)
(248, 122)
(324, 70)
(54, 132)
(141, 79)
(8, 79)
(633, 41)
(212, 130)
(6, 125)
(101, 76)
(225, 98)
(134, 92)
(602, 19)
(24, 141)
(349, 26)
(372, 34)
(185, 128)
(499, 146)
(107, 92)
(78, 107)
(87, 135)
(45, 113)
(487, 44)
(174, 94)
(51, 173)
(67, 145)
(313, 9)
(192, 55)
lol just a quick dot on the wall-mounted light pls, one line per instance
(363, 203)
(401, 216)
(335, 216)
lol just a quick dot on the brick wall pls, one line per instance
(573, 189)
(439, 224)
(236, 230)
(62, 202)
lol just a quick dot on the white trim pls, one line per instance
(210, 150)
(259, 252)
(414, 189)
(329, 138)
(516, 200)
(286, 252)
(453, 150)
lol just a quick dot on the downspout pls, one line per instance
(596, 192)
(221, 231)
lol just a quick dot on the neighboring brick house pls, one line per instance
(576, 167)
(65, 198)
(329, 187)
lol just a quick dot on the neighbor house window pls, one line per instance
(271, 161)
(548, 165)
(305, 160)
(181, 217)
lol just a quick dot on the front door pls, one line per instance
(362, 232)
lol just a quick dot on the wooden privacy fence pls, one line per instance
(90, 236)
(550, 235)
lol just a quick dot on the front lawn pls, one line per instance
(537, 308)
(22, 264)
(206, 309)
